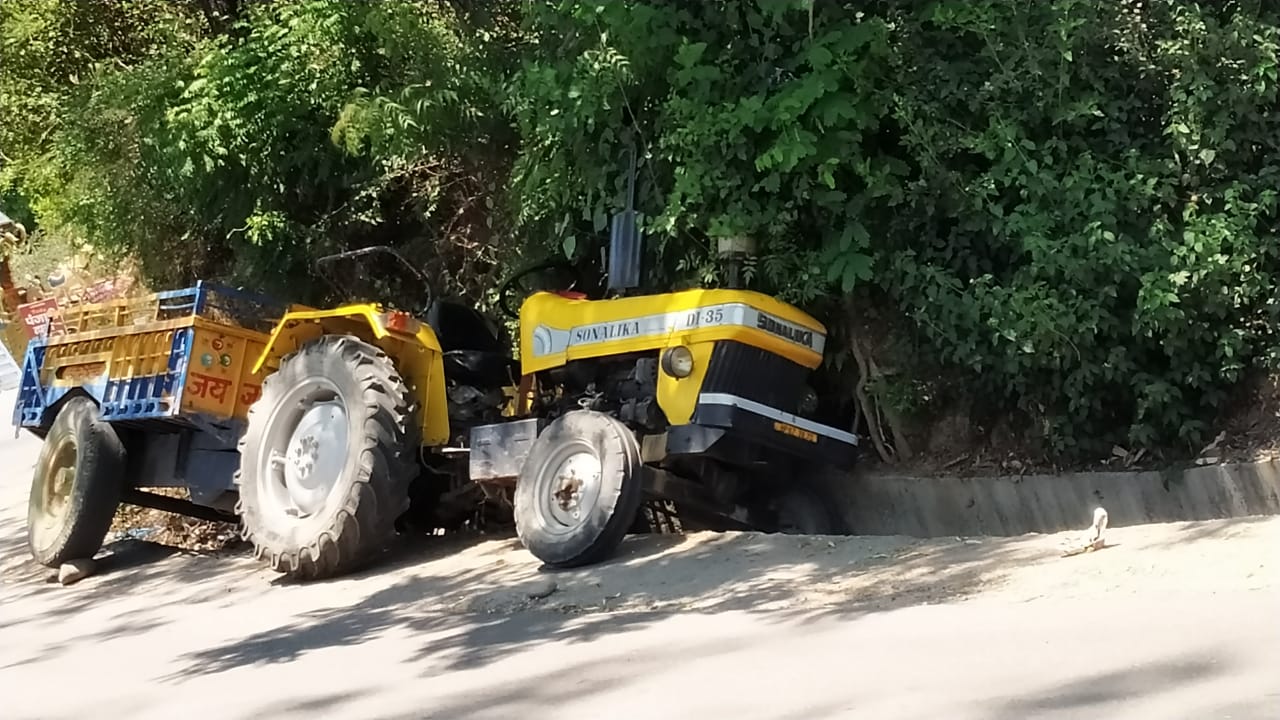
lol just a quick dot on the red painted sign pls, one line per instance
(101, 291)
(39, 316)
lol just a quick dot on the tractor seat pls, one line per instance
(469, 367)
(474, 350)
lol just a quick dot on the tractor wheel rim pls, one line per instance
(307, 448)
(568, 488)
(57, 481)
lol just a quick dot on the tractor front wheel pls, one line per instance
(579, 489)
(327, 458)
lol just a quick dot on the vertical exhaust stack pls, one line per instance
(733, 252)
(626, 240)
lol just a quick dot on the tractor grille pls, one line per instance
(755, 374)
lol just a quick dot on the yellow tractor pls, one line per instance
(696, 402)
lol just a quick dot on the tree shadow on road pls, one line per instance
(167, 576)
(477, 599)
(568, 683)
(480, 613)
(325, 705)
(1096, 695)
(1222, 529)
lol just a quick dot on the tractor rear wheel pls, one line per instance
(579, 489)
(327, 458)
(77, 486)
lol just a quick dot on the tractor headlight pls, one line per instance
(678, 362)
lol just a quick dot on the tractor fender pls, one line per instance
(410, 343)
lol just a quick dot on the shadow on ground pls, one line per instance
(474, 594)
(483, 612)
(477, 600)
(1238, 527)
(128, 568)
(1095, 695)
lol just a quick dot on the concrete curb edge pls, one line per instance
(882, 503)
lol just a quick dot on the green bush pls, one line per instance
(313, 126)
(1073, 202)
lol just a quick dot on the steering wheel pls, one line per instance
(379, 281)
(507, 291)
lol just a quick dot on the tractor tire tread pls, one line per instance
(380, 491)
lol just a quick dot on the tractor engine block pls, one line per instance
(625, 387)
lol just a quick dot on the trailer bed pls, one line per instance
(183, 357)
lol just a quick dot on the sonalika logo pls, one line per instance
(611, 331)
(795, 334)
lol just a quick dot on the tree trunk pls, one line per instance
(220, 14)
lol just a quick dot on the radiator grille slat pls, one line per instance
(755, 374)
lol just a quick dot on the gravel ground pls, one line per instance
(473, 627)
(713, 571)
(698, 571)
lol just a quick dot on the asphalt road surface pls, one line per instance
(165, 635)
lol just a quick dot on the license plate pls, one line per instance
(795, 432)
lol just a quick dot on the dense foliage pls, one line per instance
(1073, 202)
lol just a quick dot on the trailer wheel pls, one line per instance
(327, 458)
(579, 489)
(77, 486)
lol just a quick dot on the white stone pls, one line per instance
(73, 571)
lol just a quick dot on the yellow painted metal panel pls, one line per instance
(220, 377)
(678, 397)
(113, 332)
(417, 355)
(555, 330)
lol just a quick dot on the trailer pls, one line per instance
(138, 394)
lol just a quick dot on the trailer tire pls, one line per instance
(606, 495)
(76, 490)
(327, 459)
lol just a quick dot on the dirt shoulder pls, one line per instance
(443, 617)
(704, 571)
(747, 571)
(712, 572)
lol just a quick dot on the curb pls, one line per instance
(887, 504)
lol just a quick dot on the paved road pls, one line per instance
(191, 637)
(9, 373)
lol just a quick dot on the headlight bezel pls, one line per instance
(677, 361)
